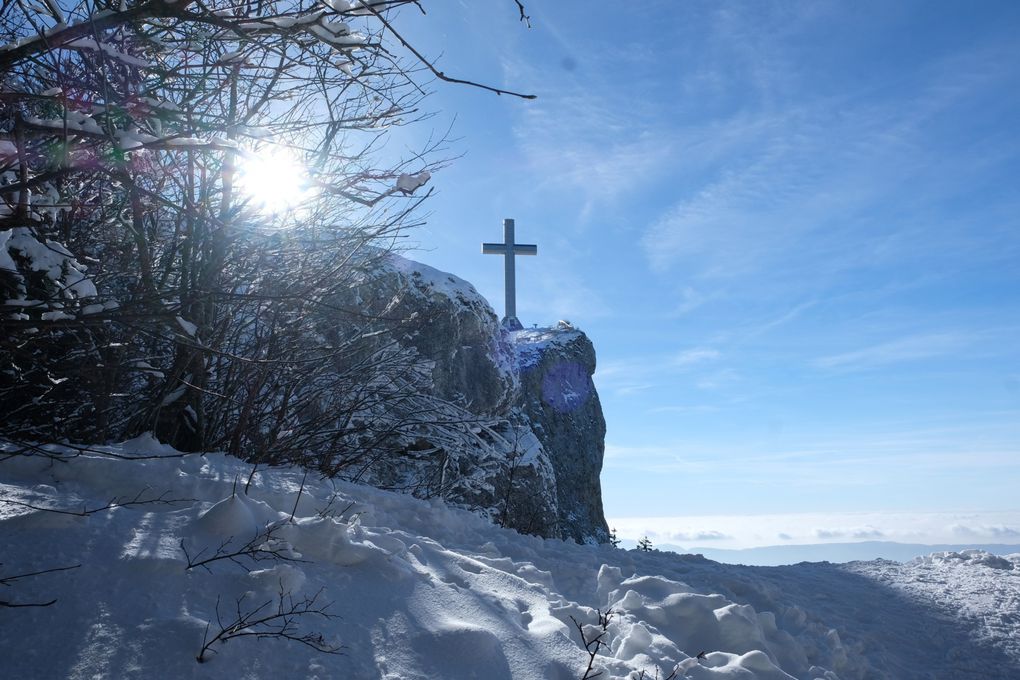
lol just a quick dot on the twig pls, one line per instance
(263, 546)
(596, 643)
(115, 502)
(8, 580)
(431, 67)
(524, 17)
(263, 623)
(298, 499)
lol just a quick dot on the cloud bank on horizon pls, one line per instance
(752, 531)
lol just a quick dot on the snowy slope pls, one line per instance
(420, 590)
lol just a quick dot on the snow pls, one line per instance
(421, 590)
(429, 281)
(48, 257)
(6, 261)
(183, 141)
(7, 149)
(236, 55)
(337, 5)
(108, 50)
(531, 344)
(407, 184)
(133, 139)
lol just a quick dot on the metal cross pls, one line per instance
(508, 249)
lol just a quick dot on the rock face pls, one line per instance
(555, 367)
(445, 319)
(539, 444)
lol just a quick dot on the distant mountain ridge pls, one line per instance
(778, 555)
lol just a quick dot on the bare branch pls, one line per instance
(264, 545)
(9, 580)
(524, 17)
(593, 644)
(267, 622)
(116, 502)
(431, 67)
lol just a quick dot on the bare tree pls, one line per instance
(144, 290)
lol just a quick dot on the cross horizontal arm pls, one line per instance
(500, 249)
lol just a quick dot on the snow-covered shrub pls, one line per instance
(143, 289)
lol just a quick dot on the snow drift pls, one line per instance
(404, 588)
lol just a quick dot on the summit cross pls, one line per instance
(508, 249)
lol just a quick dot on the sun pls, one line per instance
(274, 181)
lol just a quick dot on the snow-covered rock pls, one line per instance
(449, 323)
(555, 368)
(534, 387)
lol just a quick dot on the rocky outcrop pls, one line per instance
(539, 433)
(555, 368)
(448, 322)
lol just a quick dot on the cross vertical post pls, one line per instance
(510, 270)
(509, 249)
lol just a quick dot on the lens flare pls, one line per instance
(274, 181)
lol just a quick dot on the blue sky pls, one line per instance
(791, 229)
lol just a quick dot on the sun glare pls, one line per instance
(274, 181)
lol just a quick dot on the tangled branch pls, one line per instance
(266, 622)
(265, 545)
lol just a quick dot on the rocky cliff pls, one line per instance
(538, 425)
(556, 393)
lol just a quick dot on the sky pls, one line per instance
(791, 231)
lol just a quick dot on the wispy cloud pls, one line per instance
(996, 532)
(697, 355)
(781, 320)
(690, 299)
(936, 455)
(628, 390)
(699, 367)
(718, 379)
(696, 535)
(692, 408)
(596, 150)
(858, 533)
(801, 174)
(912, 348)
(553, 293)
